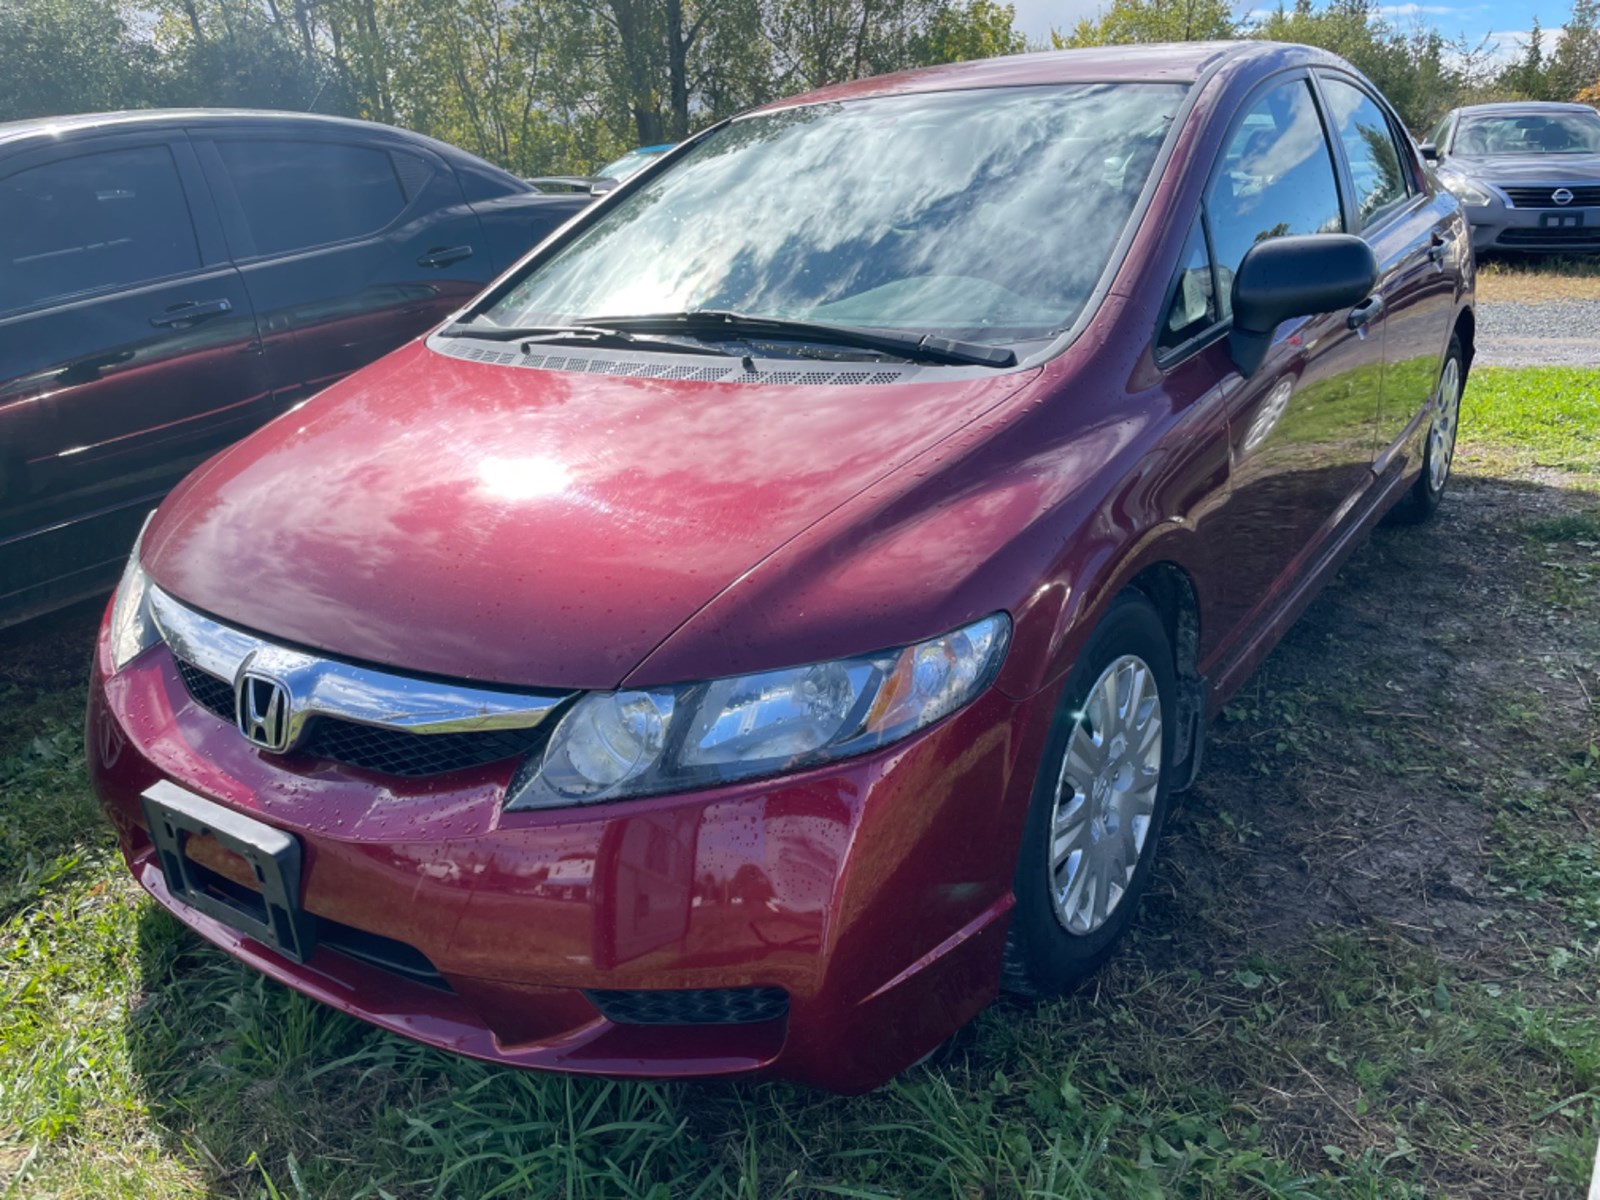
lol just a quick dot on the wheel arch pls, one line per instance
(1466, 328)
(1171, 591)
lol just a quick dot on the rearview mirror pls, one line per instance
(1429, 151)
(1286, 277)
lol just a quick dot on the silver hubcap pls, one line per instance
(1442, 433)
(1106, 795)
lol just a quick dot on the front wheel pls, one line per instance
(1099, 803)
(1439, 450)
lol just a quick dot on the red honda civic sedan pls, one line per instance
(777, 613)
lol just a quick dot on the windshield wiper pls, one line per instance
(588, 335)
(924, 347)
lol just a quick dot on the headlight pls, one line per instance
(132, 631)
(612, 745)
(1465, 191)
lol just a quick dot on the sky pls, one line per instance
(1504, 22)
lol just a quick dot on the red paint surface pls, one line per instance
(564, 530)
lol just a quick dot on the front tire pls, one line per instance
(1439, 448)
(1099, 803)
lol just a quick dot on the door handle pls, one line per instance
(1436, 248)
(1363, 314)
(189, 311)
(443, 256)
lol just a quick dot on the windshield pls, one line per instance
(1529, 133)
(630, 162)
(986, 215)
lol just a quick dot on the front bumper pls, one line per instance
(874, 893)
(1504, 228)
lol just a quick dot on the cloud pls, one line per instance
(1036, 18)
(1414, 10)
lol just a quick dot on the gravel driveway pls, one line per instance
(1550, 333)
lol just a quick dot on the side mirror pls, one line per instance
(1286, 277)
(601, 186)
(1429, 151)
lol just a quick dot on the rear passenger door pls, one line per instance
(128, 353)
(350, 247)
(1410, 232)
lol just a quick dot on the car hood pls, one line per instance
(533, 528)
(1529, 168)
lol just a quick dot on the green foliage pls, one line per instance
(1419, 72)
(1571, 71)
(1151, 21)
(59, 56)
(977, 29)
(539, 86)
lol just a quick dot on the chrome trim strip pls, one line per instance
(329, 688)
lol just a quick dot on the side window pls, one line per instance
(1193, 309)
(1439, 131)
(114, 218)
(1275, 178)
(1376, 165)
(296, 195)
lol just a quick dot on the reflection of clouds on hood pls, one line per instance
(1026, 188)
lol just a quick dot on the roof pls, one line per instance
(1511, 107)
(1158, 62)
(161, 118)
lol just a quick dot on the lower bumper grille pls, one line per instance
(696, 1006)
(1551, 237)
(390, 751)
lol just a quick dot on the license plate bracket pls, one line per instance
(1561, 220)
(173, 814)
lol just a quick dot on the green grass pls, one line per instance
(1369, 1052)
(1545, 417)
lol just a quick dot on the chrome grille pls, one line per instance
(345, 712)
(389, 751)
(1583, 196)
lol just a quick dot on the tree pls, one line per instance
(977, 29)
(62, 56)
(1152, 21)
(1529, 76)
(1421, 73)
(1576, 61)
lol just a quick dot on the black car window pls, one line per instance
(1376, 165)
(1193, 308)
(1275, 178)
(301, 194)
(111, 219)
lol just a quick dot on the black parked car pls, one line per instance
(1528, 174)
(171, 280)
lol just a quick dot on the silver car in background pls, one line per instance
(1527, 174)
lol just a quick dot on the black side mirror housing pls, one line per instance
(1429, 151)
(1300, 276)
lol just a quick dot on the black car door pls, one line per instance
(350, 243)
(128, 353)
